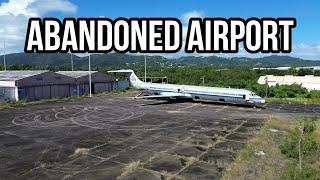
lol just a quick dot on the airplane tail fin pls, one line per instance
(134, 80)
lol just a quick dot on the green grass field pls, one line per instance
(294, 100)
(130, 92)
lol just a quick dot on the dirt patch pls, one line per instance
(81, 151)
(175, 112)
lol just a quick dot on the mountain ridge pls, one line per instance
(128, 60)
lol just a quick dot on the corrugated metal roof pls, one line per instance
(17, 75)
(76, 74)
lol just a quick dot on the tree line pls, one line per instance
(238, 78)
(208, 76)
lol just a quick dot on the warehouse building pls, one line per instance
(288, 67)
(120, 85)
(33, 85)
(309, 82)
(100, 82)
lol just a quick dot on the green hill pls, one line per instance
(114, 60)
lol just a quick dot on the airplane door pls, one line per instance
(180, 90)
(247, 97)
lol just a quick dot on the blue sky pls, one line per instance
(307, 14)
(306, 36)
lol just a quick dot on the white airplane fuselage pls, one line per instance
(232, 95)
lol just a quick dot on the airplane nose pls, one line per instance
(262, 101)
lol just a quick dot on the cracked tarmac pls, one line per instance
(97, 138)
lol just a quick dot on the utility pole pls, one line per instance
(145, 68)
(90, 93)
(299, 146)
(202, 80)
(4, 56)
(71, 61)
(266, 84)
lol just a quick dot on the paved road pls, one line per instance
(97, 138)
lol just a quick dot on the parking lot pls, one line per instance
(118, 137)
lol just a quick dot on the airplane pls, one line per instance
(174, 91)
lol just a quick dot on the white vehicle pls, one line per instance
(174, 91)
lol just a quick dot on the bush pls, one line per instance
(313, 94)
(258, 89)
(310, 151)
(310, 142)
(289, 146)
(309, 126)
(287, 91)
(293, 172)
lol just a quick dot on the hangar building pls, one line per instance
(309, 82)
(33, 85)
(100, 82)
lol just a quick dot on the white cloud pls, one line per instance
(191, 14)
(16, 7)
(44, 6)
(185, 21)
(301, 50)
(14, 16)
(35, 7)
(306, 51)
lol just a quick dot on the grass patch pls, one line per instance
(43, 101)
(188, 160)
(294, 100)
(302, 145)
(281, 158)
(126, 92)
(248, 165)
(54, 100)
(130, 168)
(4, 105)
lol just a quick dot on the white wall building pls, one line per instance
(288, 67)
(309, 82)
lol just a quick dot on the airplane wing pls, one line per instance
(159, 97)
(164, 96)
